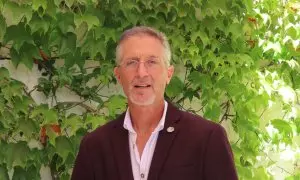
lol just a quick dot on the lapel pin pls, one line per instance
(170, 129)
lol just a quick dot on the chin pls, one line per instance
(142, 101)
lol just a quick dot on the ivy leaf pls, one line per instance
(177, 41)
(2, 105)
(25, 173)
(212, 112)
(69, 3)
(68, 44)
(202, 35)
(274, 46)
(292, 31)
(95, 121)
(193, 50)
(28, 127)
(108, 33)
(72, 124)
(51, 8)
(261, 173)
(235, 29)
(213, 7)
(57, 2)
(175, 87)
(234, 89)
(14, 89)
(1, 5)
(115, 103)
(200, 80)
(49, 115)
(63, 147)
(249, 5)
(293, 64)
(2, 27)
(15, 57)
(36, 4)
(90, 20)
(39, 24)
(93, 47)
(297, 124)
(22, 104)
(55, 38)
(66, 22)
(28, 52)
(81, 34)
(3, 173)
(282, 126)
(190, 94)
(15, 154)
(4, 73)
(51, 134)
(7, 119)
(293, 177)
(75, 58)
(196, 60)
(14, 13)
(19, 35)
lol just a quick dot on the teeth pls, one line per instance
(142, 85)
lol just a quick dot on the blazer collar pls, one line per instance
(165, 141)
(120, 144)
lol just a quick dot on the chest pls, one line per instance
(141, 142)
(141, 154)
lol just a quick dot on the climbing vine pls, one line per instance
(238, 60)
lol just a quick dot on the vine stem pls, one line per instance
(278, 166)
(74, 104)
(4, 58)
(225, 115)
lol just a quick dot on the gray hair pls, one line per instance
(143, 30)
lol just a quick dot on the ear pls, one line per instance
(170, 73)
(117, 74)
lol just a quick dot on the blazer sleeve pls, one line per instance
(83, 164)
(219, 161)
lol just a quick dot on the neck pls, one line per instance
(146, 118)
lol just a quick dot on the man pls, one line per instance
(152, 140)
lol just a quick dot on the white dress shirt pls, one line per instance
(141, 166)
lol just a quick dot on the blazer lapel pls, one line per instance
(164, 142)
(120, 144)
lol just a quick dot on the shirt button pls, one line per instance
(142, 175)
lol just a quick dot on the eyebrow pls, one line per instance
(138, 58)
(154, 57)
(132, 58)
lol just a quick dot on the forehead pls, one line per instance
(141, 45)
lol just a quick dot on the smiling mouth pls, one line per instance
(142, 86)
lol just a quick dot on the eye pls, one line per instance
(152, 62)
(131, 62)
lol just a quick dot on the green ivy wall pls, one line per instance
(238, 63)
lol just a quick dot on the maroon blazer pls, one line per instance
(196, 150)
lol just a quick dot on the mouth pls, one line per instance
(142, 86)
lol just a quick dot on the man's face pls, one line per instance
(142, 72)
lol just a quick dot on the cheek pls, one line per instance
(125, 80)
(160, 80)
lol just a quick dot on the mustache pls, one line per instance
(144, 80)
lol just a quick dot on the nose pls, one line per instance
(142, 70)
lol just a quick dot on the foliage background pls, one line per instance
(240, 58)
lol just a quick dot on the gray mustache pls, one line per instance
(137, 81)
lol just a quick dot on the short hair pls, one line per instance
(148, 31)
